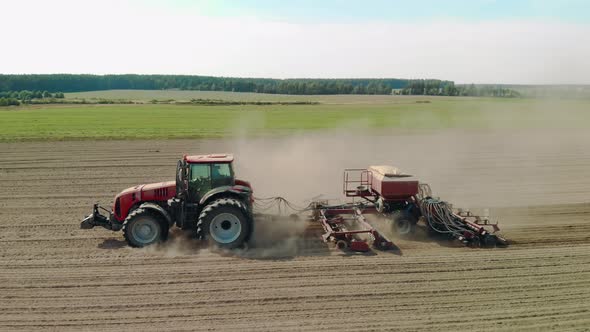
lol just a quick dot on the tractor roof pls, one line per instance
(209, 158)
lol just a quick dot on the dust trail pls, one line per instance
(179, 243)
(272, 237)
(276, 237)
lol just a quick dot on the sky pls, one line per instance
(476, 41)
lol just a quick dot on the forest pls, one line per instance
(52, 83)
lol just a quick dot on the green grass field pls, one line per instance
(77, 122)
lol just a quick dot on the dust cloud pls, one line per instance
(276, 237)
(471, 168)
(493, 167)
(179, 243)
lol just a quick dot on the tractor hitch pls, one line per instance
(98, 219)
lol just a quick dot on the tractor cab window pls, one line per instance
(200, 180)
(204, 177)
(221, 175)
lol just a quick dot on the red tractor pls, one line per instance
(206, 198)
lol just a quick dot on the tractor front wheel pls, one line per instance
(141, 228)
(225, 223)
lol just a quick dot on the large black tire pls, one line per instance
(142, 228)
(225, 223)
(403, 223)
(489, 241)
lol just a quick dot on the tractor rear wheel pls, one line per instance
(141, 228)
(403, 223)
(225, 223)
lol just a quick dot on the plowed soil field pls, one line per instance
(56, 276)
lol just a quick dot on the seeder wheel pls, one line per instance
(489, 241)
(403, 223)
(341, 244)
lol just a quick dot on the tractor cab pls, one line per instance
(203, 173)
(200, 176)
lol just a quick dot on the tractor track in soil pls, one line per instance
(55, 276)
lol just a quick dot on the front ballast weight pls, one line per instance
(98, 219)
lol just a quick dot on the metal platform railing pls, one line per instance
(357, 182)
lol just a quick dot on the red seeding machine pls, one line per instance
(207, 199)
(402, 201)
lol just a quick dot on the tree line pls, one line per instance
(77, 83)
(52, 83)
(448, 88)
(8, 98)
